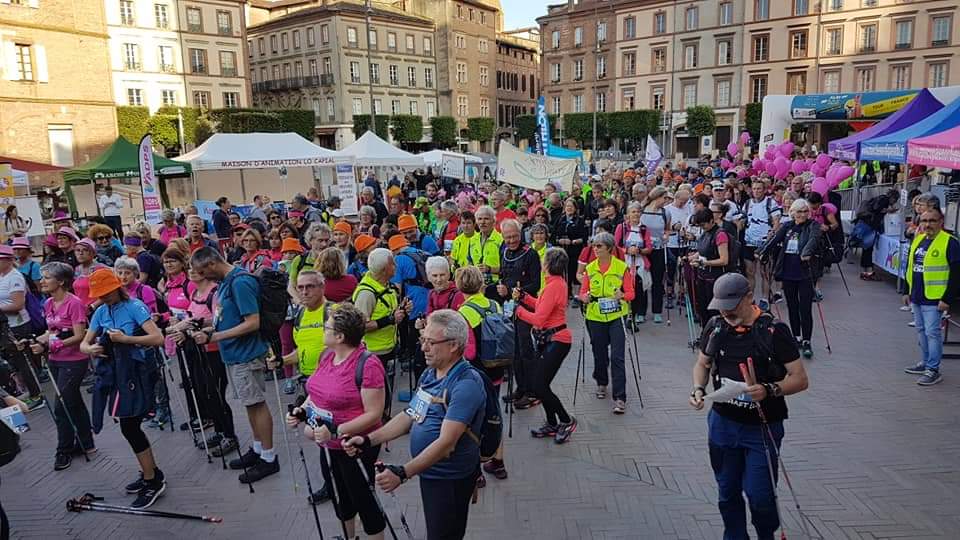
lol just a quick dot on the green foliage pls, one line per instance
(251, 122)
(163, 128)
(299, 121)
(202, 131)
(632, 125)
(579, 127)
(526, 126)
(754, 115)
(701, 121)
(407, 128)
(132, 122)
(480, 128)
(443, 131)
(190, 116)
(217, 115)
(361, 124)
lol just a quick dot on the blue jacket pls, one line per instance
(125, 383)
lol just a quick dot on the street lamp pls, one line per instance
(373, 112)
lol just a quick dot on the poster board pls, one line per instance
(533, 171)
(29, 209)
(6, 184)
(347, 186)
(453, 167)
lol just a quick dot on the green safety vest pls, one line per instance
(936, 268)
(308, 336)
(605, 285)
(381, 339)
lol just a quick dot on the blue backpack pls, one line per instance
(491, 430)
(496, 344)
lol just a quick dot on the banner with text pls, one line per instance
(533, 170)
(347, 184)
(148, 181)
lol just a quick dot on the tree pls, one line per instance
(132, 122)
(443, 131)
(163, 128)
(754, 116)
(579, 126)
(632, 125)
(361, 124)
(203, 130)
(480, 128)
(251, 122)
(526, 126)
(190, 117)
(299, 121)
(407, 128)
(701, 121)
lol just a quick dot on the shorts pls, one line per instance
(248, 382)
(748, 253)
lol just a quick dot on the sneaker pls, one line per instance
(929, 378)
(601, 392)
(543, 431)
(905, 308)
(564, 431)
(919, 369)
(134, 487)
(817, 295)
(247, 460)
(225, 446)
(517, 394)
(657, 318)
(62, 461)
(289, 387)
(912, 324)
(526, 402)
(34, 403)
(158, 422)
(320, 496)
(776, 298)
(619, 406)
(806, 349)
(212, 440)
(639, 319)
(260, 470)
(497, 468)
(149, 493)
(763, 305)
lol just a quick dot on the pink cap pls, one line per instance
(60, 215)
(21, 242)
(87, 243)
(6, 251)
(68, 231)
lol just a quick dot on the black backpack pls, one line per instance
(762, 333)
(419, 258)
(273, 300)
(491, 431)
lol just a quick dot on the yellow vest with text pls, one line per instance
(936, 268)
(381, 339)
(605, 285)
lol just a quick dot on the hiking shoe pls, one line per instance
(763, 305)
(224, 446)
(776, 298)
(657, 318)
(526, 402)
(929, 378)
(212, 440)
(320, 496)
(497, 468)
(260, 470)
(62, 461)
(806, 349)
(149, 493)
(133, 488)
(34, 403)
(817, 295)
(919, 369)
(619, 407)
(289, 387)
(247, 460)
(564, 431)
(158, 422)
(517, 394)
(543, 431)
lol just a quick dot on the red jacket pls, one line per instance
(549, 309)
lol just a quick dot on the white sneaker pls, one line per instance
(904, 308)
(912, 324)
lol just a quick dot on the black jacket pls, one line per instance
(809, 240)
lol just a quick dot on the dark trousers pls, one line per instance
(68, 376)
(703, 295)
(354, 495)
(866, 259)
(799, 295)
(572, 254)
(608, 343)
(22, 361)
(132, 431)
(213, 379)
(446, 505)
(114, 223)
(547, 365)
(657, 270)
(523, 366)
(673, 255)
(740, 466)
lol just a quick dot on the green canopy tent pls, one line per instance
(119, 161)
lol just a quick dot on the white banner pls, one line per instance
(532, 170)
(453, 166)
(148, 181)
(347, 185)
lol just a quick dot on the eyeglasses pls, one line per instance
(307, 287)
(427, 342)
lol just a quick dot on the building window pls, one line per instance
(355, 72)
(263, 74)
(758, 88)
(797, 83)
(761, 10)
(798, 44)
(692, 18)
(657, 101)
(834, 5)
(835, 41)
(690, 56)
(484, 76)
(555, 39)
(372, 39)
(577, 103)
(135, 97)
(261, 47)
(427, 45)
(413, 108)
(578, 69)
(351, 36)
(721, 92)
(325, 34)
(460, 41)
(431, 109)
(296, 39)
(629, 28)
(331, 108)
(327, 66)
(284, 42)
(312, 66)
(726, 13)
(831, 81)
(866, 79)
(869, 3)
(273, 43)
(724, 52)
(658, 61)
(628, 101)
(231, 100)
(357, 106)
(463, 106)
(126, 13)
(311, 37)
(801, 7)
(165, 59)
(131, 57)
(298, 69)
(228, 64)
(160, 16)
(937, 74)
(375, 73)
(484, 107)
(629, 64)
(461, 72)
(411, 44)
(689, 94)
(868, 38)
(194, 20)
(601, 67)
(198, 60)
(428, 77)
(601, 31)
(412, 76)
(276, 73)
(316, 107)
(940, 35)
(761, 48)
(555, 104)
(395, 107)
(377, 106)
(900, 77)
(578, 36)
(224, 23)
(168, 97)
(394, 75)
(904, 34)
(201, 99)
(601, 105)
(483, 45)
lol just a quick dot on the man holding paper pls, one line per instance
(753, 362)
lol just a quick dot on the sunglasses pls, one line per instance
(103, 238)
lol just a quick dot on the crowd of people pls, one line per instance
(430, 281)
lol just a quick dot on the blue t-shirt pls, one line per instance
(917, 295)
(466, 403)
(127, 316)
(31, 269)
(237, 297)
(428, 244)
(406, 270)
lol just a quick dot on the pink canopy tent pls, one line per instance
(937, 150)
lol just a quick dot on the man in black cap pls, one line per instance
(753, 362)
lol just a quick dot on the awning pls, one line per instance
(920, 107)
(120, 161)
(259, 151)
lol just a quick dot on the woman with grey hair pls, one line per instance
(128, 271)
(444, 294)
(169, 228)
(547, 314)
(317, 238)
(368, 221)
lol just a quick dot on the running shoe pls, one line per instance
(62, 461)
(564, 431)
(912, 324)
(919, 369)
(817, 295)
(526, 402)
(260, 470)
(777, 297)
(290, 386)
(247, 460)
(639, 319)
(806, 349)
(226, 446)
(134, 487)
(34, 403)
(543, 431)
(517, 394)
(497, 468)
(619, 406)
(601, 392)
(320, 496)
(930, 377)
(149, 493)
(657, 318)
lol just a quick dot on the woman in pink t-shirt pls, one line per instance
(66, 317)
(337, 406)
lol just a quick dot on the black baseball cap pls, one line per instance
(728, 291)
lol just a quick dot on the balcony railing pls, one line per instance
(168, 68)
(902, 46)
(326, 79)
(868, 48)
(292, 83)
(228, 72)
(132, 66)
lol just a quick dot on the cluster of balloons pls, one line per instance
(778, 161)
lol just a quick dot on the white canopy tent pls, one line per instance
(372, 151)
(434, 158)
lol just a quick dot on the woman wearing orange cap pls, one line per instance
(124, 336)
(363, 244)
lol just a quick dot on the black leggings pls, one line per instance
(546, 366)
(703, 295)
(71, 411)
(799, 295)
(214, 383)
(22, 361)
(130, 428)
(573, 252)
(354, 495)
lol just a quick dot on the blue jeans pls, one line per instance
(739, 465)
(608, 342)
(929, 335)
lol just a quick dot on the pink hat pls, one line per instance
(50, 240)
(87, 243)
(295, 213)
(21, 242)
(60, 215)
(68, 231)
(6, 251)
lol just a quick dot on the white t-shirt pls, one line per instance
(759, 217)
(110, 205)
(677, 215)
(11, 283)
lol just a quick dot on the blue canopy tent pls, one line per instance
(893, 146)
(920, 107)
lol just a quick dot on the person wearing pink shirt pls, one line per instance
(169, 229)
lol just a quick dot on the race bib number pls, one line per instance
(657, 242)
(419, 405)
(447, 246)
(609, 305)
(793, 246)
(317, 417)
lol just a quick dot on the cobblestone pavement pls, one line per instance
(870, 453)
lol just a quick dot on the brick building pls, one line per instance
(518, 77)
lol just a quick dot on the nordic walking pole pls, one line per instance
(26, 359)
(214, 386)
(87, 502)
(162, 366)
(286, 438)
(336, 492)
(376, 498)
(665, 266)
(633, 361)
(840, 267)
(180, 403)
(66, 411)
(823, 323)
(576, 374)
(306, 469)
(192, 381)
(380, 467)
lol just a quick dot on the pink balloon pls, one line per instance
(770, 154)
(824, 160)
(820, 186)
(786, 149)
(732, 149)
(757, 164)
(817, 170)
(725, 163)
(742, 173)
(770, 168)
(797, 167)
(782, 164)
(845, 171)
(744, 137)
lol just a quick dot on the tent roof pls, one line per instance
(258, 151)
(892, 147)
(941, 149)
(372, 151)
(918, 108)
(435, 157)
(29, 166)
(121, 161)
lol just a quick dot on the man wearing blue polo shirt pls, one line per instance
(443, 420)
(243, 350)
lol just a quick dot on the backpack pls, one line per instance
(378, 296)
(153, 278)
(273, 300)
(9, 444)
(162, 306)
(491, 430)
(762, 333)
(33, 303)
(419, 258)
(496, 345)
(358, 380)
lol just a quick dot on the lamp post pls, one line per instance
(373, 112)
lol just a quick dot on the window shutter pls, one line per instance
(10, 61)
(41, 58)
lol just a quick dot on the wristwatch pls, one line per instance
(773, 390)
(400, 471)
(693, 393)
